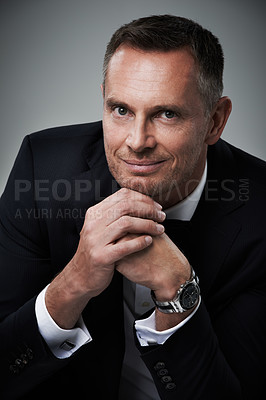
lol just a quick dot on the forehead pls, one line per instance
(151, 72)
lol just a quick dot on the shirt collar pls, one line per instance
(185, 209)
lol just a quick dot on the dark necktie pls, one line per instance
(180, 232)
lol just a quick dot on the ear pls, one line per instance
(102, 89)
(218, 119)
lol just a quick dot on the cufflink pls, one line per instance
(67, 346)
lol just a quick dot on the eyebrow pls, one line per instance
(112, 102)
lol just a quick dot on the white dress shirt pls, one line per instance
(63, 343)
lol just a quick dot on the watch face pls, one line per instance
(189, 296)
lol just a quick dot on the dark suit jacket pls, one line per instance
(220, 353)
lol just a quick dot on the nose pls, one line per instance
(140, 136)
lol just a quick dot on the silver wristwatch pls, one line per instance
(186, 297)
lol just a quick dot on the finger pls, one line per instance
(133, 195)
(126, 202)
(125, 194)
(125, 248)
(127, 224)
(134, 208)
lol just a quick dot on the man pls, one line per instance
(91, 237)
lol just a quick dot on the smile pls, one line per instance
(143, 166)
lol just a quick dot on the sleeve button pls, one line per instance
(19, 363)
(166, 379)
(29, 353)
(159, 365)
(170, 386)
(162, 372)
(24, 358)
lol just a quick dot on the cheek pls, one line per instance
(178, 145)
(115, 135)
(110, 137)
(112, 142)
(186, 146)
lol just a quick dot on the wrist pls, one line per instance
(167, 321)
(63, 302)
(168, 293)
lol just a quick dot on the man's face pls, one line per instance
(154, 123)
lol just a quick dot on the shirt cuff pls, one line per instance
(147, 334)
(62, 342)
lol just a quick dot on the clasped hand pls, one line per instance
(123, 232)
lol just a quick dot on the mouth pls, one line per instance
(143, 166)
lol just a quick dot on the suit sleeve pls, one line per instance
(216, 356)
(25, 269)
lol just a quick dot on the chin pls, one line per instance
(148, 186)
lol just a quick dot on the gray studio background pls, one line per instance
(52, 52)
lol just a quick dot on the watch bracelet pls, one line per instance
(174, 306)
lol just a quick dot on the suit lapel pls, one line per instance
(94, 184)
(214, 226)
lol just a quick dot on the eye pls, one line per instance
(121, 110)
(169, 114)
